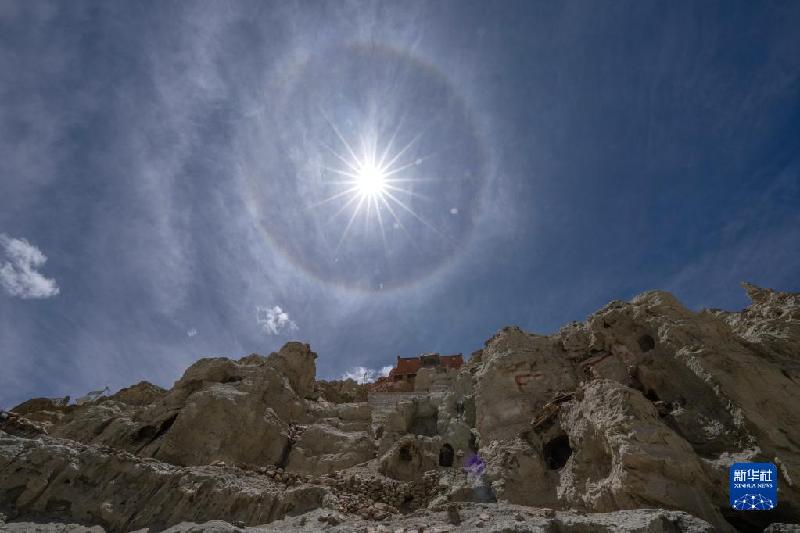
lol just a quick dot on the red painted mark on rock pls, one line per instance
(524, 379)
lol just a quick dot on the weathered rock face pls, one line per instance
(47, 477)
(209, 427)
(296, 362)
(644, 405)
(220, 410)
(626, 456)
(520, 373)
(417, 416)
(410, 458)
(472, 518)
(477, 518)
(143, 393)
(345, 391)
(322, 449)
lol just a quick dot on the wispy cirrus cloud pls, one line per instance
(19, 274)
(274, 320)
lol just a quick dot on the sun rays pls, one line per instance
(374, 181)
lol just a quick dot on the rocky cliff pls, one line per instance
(625, 422)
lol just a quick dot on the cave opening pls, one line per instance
(646, 343)
(408, 504)
(405, 453)
(556, 452)
(446, 455)
(651, 395)
(150, 433)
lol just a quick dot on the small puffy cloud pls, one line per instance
(192, 332)
(362, 374)
(274, 320)
(19, 264)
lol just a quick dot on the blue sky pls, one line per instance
(171, 175)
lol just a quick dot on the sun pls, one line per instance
(370, 179)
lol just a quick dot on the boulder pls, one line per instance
(322, 449)
(297, 363)
(209, 427)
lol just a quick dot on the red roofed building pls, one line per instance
(403, 375)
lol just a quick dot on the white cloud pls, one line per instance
(274, 320)
(192, 332)
(19, 261)
(362, 374)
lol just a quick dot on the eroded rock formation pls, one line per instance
(643, 406)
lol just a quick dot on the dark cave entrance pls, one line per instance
(556, 452)
(446, 455)
(405, 453)
(646, 343)
(408, 504)
(148, 434)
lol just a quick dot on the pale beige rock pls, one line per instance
(353, 411)
(626, 457)
(222, 422)
(645, 404)
(343, 391)
(122, 492)
(410, 457)
(519, 374)
(721, 386)
(518, 474)
(296, 361)
(413, 416)
(322, 449)
(87, 422)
